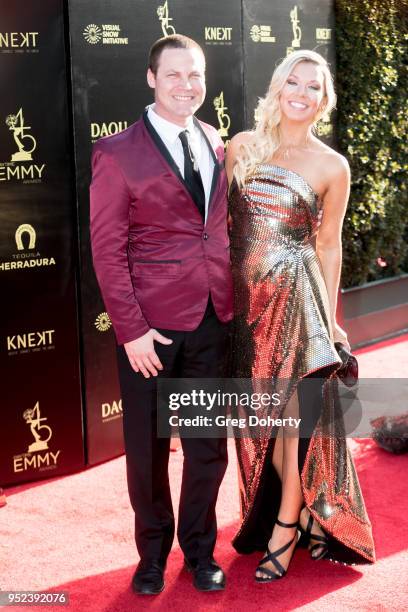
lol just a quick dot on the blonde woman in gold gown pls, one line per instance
(286, 267)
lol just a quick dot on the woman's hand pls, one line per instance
(339, 335)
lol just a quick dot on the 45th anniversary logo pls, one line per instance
(19, 166)
(38, 455)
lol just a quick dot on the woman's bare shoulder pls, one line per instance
(333, 162)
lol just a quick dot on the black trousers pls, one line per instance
(195, 354)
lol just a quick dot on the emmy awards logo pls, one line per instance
(25, 228)
(297, 32)
(25, 142)
(163, 14)
(224, 119)
(33, 418)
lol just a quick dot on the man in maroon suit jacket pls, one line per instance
(161, 255)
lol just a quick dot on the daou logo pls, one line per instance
(38, 455)
(26, 144)
(111, 412)
(99, 130)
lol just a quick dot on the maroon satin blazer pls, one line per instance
(154, 259)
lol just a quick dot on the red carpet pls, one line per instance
(76, 534)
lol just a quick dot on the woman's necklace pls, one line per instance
(286, 151)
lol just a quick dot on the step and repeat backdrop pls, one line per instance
(41, 412)
(73, 72)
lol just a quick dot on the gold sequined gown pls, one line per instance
(281, 330)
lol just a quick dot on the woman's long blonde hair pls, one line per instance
(266, 137)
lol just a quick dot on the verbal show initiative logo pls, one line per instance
(42, 435)
(27, 256)
(92, 34)
(103, 322)
(163, 15)
(107, 33)
(262, 34)
(224, 119)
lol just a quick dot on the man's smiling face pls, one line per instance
(179, 84)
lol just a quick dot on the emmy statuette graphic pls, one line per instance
(224, 119)
(163, 14)
(297, 32)
(25, 142)
(33, 418)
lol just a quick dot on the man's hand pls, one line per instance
(142, 356)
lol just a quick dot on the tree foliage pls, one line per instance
(372, 88)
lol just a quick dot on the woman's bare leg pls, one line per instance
(292, 499)
(277, 455)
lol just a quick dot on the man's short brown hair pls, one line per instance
(175, 41)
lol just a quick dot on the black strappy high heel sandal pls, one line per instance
(322, 541)
(268, 575)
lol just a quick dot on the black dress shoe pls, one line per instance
(207, 575)
(148, 578)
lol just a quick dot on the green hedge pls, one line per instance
(372, 121)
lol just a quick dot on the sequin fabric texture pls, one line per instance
(282, 331)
